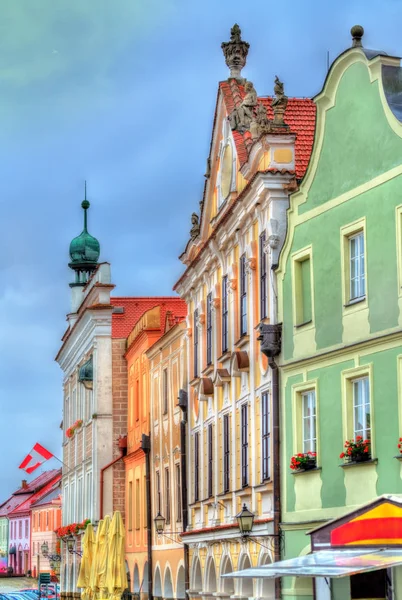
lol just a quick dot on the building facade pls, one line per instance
(45, 519)
(339, 284)
(147, 330)
(95, 395)
(168, 368)
(20, 520)
(259, 150)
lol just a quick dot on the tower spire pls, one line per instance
(85, 205)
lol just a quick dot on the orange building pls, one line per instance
(46, 517)
(148, 329)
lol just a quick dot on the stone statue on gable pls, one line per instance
(241, 117)
(195, 229)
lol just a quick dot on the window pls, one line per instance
(47, 518)
(165, 391)
(309, 434)
(210, 460)
(209, 328)
(137, 505)
(178, 493)
(244, 445)
(20, 529)
(89, 507)
(196, 466)
(26, 526)
(137, 399)
(303, 299)
(158, 491)
(361, 408)
(266, 436)
(80, 513)
(225, 314)
(38, 520)
(243, 295)
(195, 340)
(167, 495)
(130, 505)
(356, 266)
(263, 278)
(226, 454)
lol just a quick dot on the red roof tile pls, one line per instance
(26, 505)
(38, 482)
(134, 308)
(300, 116)
(12, 503)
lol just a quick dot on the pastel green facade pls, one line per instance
(353, 184)
(3, 543)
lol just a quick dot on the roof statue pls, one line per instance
(357, 32)
(241, 117)
(260, 124)
(279, 103)
(195, 230)
(235, 52)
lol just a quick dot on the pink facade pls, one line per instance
(19, 543)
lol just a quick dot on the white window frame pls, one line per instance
(357, 283)
(308, 400)
(364, 403)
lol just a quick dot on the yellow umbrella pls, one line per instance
(102, 558)
(88, 542)
(93, 581)
(116, 578)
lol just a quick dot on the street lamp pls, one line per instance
(45, 549)
(70, 541)
(159, 523)
(245, 520)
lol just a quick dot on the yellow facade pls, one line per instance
(167, 361)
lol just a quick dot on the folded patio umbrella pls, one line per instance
(102, 558)
(93, 581)
(88, 543)
(116, 576)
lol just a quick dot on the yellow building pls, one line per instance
(229, 288)
(167, 360)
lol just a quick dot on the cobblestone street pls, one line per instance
(9, 584)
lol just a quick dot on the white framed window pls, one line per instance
(361, 408)
(357, 266)
(309, 427)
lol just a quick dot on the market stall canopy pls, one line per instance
(326, 563)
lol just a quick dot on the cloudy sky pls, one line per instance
(122, 93)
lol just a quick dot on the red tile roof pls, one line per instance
(38, 482)
(300, 116)
(26, 505)
(134, 308)
(12, 503)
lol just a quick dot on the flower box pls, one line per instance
(71, 430)
(357, 450)
(303, 461)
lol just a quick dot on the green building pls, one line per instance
(340, 305)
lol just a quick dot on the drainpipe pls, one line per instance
(123, 452)
(270, 338)
(183, 401)
(146, 448)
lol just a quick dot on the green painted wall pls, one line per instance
(358, 145)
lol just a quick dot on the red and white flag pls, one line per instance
(35, 458)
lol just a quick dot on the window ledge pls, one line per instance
(225, 495)
(264, 485)
(398, 457)
(208, 370)
(242, 341)
(304, 324)
(225, 356)
(306, 471)
(371, 461)
(355, 301)
(246, 491)
(194, 381)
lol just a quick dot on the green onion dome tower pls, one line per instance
(84, 251)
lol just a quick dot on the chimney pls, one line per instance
(24, 484)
